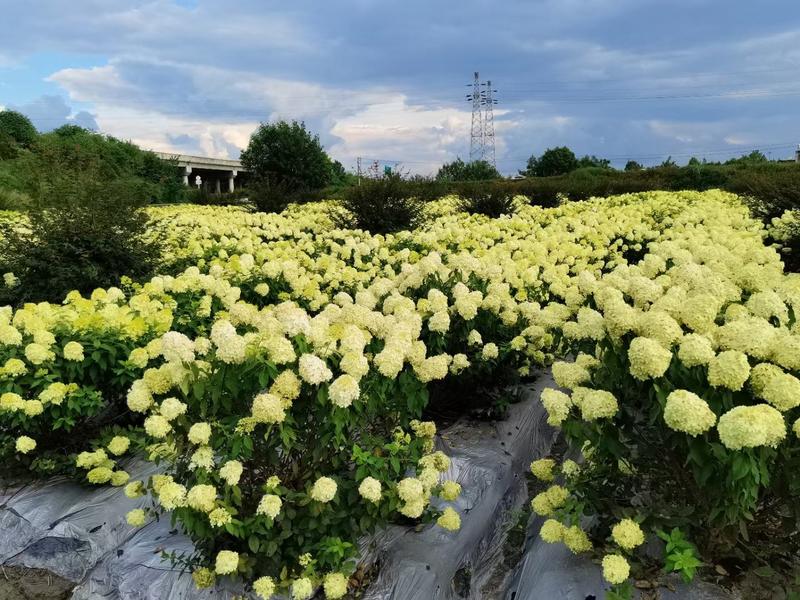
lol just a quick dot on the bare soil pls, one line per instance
(20, 583)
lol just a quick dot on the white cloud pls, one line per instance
(374, 123)
(736, 140)
(421, 137)
(156, 131)
(93, 84)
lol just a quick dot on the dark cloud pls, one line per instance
(636, 78)
(49, 112)
(84, 119)
(183, 142)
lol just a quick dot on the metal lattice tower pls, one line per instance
(488, 102)
(476, 141)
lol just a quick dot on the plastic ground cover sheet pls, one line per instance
(489, 460)
(80, 533)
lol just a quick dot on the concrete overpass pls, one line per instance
(213, 174)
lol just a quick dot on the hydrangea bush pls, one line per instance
(683, 392)
(277, 371)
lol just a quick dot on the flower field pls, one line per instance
(278, 371)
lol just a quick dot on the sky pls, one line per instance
(623, 79)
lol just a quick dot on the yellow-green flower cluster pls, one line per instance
(370, 490)
(449, 520)
(557, 404)
(729, 369)
(615, 569)
(552, 531)
(227, 562)
(648, 358)
(576, 539)
(323, 490)
(546, 503)
(627, 534)
(770, 383)
(751, 426)
(596, 404)
(687, 412)
(542, 469)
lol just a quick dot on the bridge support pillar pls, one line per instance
(186, 172)
(231, 177)
(217, 186)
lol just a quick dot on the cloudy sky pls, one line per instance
(623, 79)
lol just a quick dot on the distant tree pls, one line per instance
(69, 130)
(632, 165)
(531, 167)
(18, 127)
(669, 162)
(284, 160)
(593, 161)
(555, 161)
(694, 162)
(340, 177)
(754, 158)
(458, 170)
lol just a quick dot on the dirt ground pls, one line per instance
(19, 583)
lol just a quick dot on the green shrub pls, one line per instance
(14, 200)
(492, 201)
(274, 195)
(86, 230)
(771, 189)
(203, 197)
(172, 191)
(632, 165)
(158, 178)
(383, 205)
(774, 186)
(8, 148)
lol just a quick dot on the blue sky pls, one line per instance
(625, 79)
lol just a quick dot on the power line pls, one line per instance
(693, 75)
(591, 87)
(195, 112)
(731, 95)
